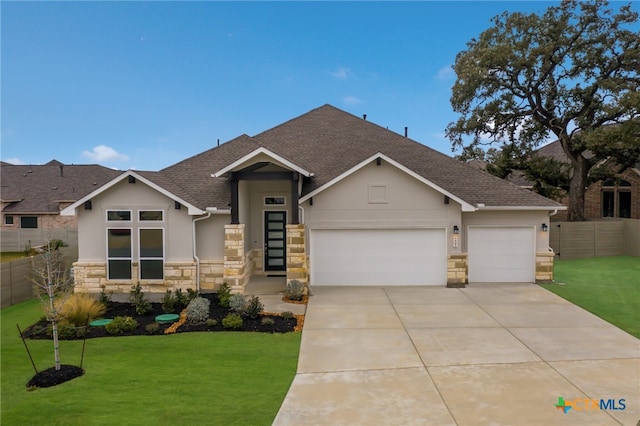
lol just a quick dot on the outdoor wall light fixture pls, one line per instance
(456, 230)
(545, 227)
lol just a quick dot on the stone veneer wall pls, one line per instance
(90, 276)
(236, 272)
(457, 270)
(296, 255)
(544, 266)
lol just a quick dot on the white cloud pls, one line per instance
(14, 161)
(341, 73)
(446, 73)
(102, 153)
(352, 100)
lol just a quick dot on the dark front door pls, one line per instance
(274, 240)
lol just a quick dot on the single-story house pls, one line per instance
(326, 198)
(32, 197)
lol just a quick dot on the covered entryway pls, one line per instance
(378, 257)
(501, 254)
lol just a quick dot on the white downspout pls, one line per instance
(554, 212)
(197, 259)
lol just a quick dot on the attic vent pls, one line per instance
(87, 205)
(446, 199)
(132, 179)
(177, 205)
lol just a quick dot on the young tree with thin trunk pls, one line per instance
(51, 284)
(569, 73)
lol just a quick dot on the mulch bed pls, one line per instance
(42, 330)
(51, 376)
(217, 312)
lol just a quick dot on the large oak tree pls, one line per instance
(569, 73)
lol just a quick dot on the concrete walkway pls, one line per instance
(490, 354)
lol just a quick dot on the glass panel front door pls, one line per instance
(274, 240)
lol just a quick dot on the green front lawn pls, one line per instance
(606, 286)
(191, 378)
(8, 256)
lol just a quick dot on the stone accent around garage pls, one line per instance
(457, 270)
(296, 254)
(544, 266)
(236, 272)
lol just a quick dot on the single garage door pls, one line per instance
(378, 257)
(501, 254)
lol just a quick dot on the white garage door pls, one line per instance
(501, 254)
(378, 257)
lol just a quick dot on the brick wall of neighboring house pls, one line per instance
(593, 198)
(45, 221)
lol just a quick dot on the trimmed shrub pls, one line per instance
(152, 328)
(237, 302)
(267, 322)
(232, 321)
(198, 310)
(211, 322)
(105, 297)
(253, 307)
(286, 315)
(137, 299)
(169, 302)
(121, 324)
(224, 294)
(80, 309)
(66, 331)
(181, 299)
(295, 290)
(191, 294)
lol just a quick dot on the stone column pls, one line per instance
(544, 266)
(457, 270)
(296, 254)
(234, 258)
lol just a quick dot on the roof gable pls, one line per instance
(466, 207)
(143, 177)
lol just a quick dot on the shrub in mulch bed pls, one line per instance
(41, 329)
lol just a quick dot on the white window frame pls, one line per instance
(13, 220)
(130, 258)
(148, 220)
(119, 221)
(141, 258)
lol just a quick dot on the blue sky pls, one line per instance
(144, 85)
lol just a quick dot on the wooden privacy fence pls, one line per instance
(16, 285)
(18, 239)
(576, 240)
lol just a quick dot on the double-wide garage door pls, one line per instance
(501, 254)
(378, 256)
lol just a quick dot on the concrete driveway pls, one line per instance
(497, 354)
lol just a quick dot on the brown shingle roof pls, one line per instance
(328, 142)
(40, 188)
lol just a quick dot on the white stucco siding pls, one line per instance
(210, 237)
(134, 197)
(382, 197)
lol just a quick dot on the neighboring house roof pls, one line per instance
(38, 189)
(329, 143)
